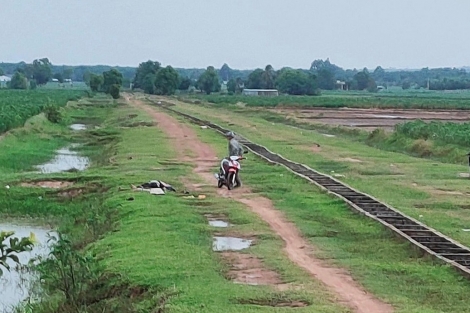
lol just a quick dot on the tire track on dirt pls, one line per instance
(347, 291)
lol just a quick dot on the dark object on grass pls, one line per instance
(157, 184)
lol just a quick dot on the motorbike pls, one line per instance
(228, 174)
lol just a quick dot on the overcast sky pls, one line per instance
(244, 34)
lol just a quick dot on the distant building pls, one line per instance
(261, 92)
(340, 85)
(4, 80)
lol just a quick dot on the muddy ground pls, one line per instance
(370, 119)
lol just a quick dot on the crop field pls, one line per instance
(384, 99)
(17, 106)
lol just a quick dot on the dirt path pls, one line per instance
(297, 248)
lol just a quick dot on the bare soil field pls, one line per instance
(369, 119)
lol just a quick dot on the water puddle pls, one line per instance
(218, 223)
(65, 160)
(78, 127)
(230, 243)
(329, 135)
(14, 285)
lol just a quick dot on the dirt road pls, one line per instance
(297, 248)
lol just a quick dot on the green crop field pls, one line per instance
(16, 106)
(352, 99)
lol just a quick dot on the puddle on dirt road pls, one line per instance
(14, 285)
(230, 243)
(78, 127)
(218, 223)
(65, 160)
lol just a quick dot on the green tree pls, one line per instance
(41, 71)
(255, 80)
(95, 82)
(184, 83)
(67, 73)
(166, 81)
(147, 84)
(114, 90)
(232, 86)
(86, 77)
(59, 77)
(297, 82)
(110, 78)
(1, 72)
(326, 79)
(225, 72)
(268, 78)
(209, 81)
(141, 75)
(19, 81)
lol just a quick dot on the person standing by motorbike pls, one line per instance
(234, 149)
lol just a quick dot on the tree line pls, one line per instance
(322, 75)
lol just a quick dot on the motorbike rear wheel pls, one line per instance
(230, 180)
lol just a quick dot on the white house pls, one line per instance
(4, 80)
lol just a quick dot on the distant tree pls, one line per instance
(1, 72)
(268, 78)
(406, 85)
(141, 75)
(209, 81)
(147, 84)
(166, 81)
(255, 79)
(32, 84)
(19, 81)
(95, 82)
(59, 77)
(114, 90)
(362, 80)
(225, 72)
(67, 73)
(326, 79)
(86, 77)
(110, 78)
(297, 82)
(184, 83)
(232, 86)
(41, 71)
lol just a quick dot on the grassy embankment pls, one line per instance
(153, 252)
(424, 189)
(442, 141)
(386, 266)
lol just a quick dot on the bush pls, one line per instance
(114, 91)
(53, 114)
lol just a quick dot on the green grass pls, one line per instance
(386, 266)
(165, 242)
